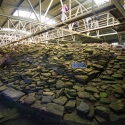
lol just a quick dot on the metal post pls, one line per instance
(73, 37)
(23, 26)
(69, 9)
(113, 21)
(70, 25)
(103, 35)
(19, 28)
(17, 31)
(97, 33)
(92, 6)
(107, 19)
(40, 10)
(8, 24)
(77, 11)
(13, 25)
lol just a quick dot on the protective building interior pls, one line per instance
(63, 60)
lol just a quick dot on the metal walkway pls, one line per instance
(41, 32)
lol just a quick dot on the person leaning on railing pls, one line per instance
(75, 25)
(88, 21)
(96, 21)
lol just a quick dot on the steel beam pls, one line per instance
(70, 9)
(61, 2)
(88, 14)
(81, 4)
(74, 32)
(20, 2)
(33, 10)
(69, 21)
(61, 24)
(77, 33)
(106, 34)
(119, 6)
(73, 8)
(37, 4)
(48, 8)
(40, 10)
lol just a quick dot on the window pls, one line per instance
(27, 14)
(100, 2)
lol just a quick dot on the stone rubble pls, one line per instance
(49, 83)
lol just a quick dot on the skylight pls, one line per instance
(100, 2)
(27, 14)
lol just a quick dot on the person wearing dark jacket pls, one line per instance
(75, 25)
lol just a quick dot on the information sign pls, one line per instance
(79, 65)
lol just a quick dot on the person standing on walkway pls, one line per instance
(75, 25)
(89, 25)
(63, 12)
(96, 21)
(88, 21)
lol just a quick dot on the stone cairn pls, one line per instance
(42, 78)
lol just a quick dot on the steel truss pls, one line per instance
(27, 30)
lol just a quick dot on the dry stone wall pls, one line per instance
(42, 78)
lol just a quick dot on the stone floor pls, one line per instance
(42, 78)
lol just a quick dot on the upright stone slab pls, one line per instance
(74, 119)
(12, 94)
(82, 78)
(83, 108)
(50, 109)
